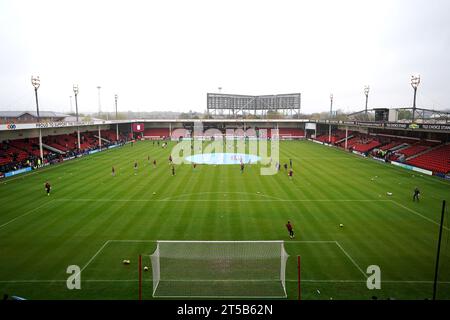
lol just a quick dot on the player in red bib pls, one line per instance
(290, 229)
(291, 173)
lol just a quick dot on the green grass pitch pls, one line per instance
(94, 220)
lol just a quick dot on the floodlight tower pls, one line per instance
(71, 108)
(75, 91)
(415, 80)
(117, 124)
(36, 84)
(366, 93)
(99, 104)
(331, 115)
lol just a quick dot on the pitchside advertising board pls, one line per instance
(138, 127)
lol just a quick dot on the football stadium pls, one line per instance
(219, 158)
(161, 209)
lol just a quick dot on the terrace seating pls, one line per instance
(391, 145)
(288, 132)
(109, 135)
(437, 160)
(157, 132)
(60, 142)
(351, 143)
(366, 147)
(335, 136)
(414, 149)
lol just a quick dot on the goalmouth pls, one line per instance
(219, 269)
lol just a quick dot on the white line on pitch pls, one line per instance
(287, 280)
(25, 214)
(351, 259)
(293, 241)
(418, 214)
(223, 200)
(95, 255)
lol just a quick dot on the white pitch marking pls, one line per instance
(351, 259)
(418, 214)
(25, 214)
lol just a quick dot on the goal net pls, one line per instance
(219, 269)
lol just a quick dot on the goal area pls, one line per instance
(219, 269)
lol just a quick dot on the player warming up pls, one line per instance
(290, 230)
(135, 167)
(113, 172)
(173, 170)
(47, 187)
(291, 173)
(416, 194)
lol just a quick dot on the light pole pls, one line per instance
(415, 80)
(117, 124)
(99, 105)
(366, 92)
(75, 91)
(36, 84)
(331, 115)
(71, 108)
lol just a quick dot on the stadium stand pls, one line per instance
(391, 145)
(111, 135)
(366, 146)
(414, 149)
(336, 136)
(437, 160)
(288, 132)
(157, 133)
(19, 153)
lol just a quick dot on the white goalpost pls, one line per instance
(219, 269)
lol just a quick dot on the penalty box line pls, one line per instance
(137, 241)
(295, 241)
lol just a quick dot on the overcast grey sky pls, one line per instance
(166, 55)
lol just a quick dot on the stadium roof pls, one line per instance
(16, 114)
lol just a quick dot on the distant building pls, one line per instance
(31, 116)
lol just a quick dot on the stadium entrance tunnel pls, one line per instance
(223, 158)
